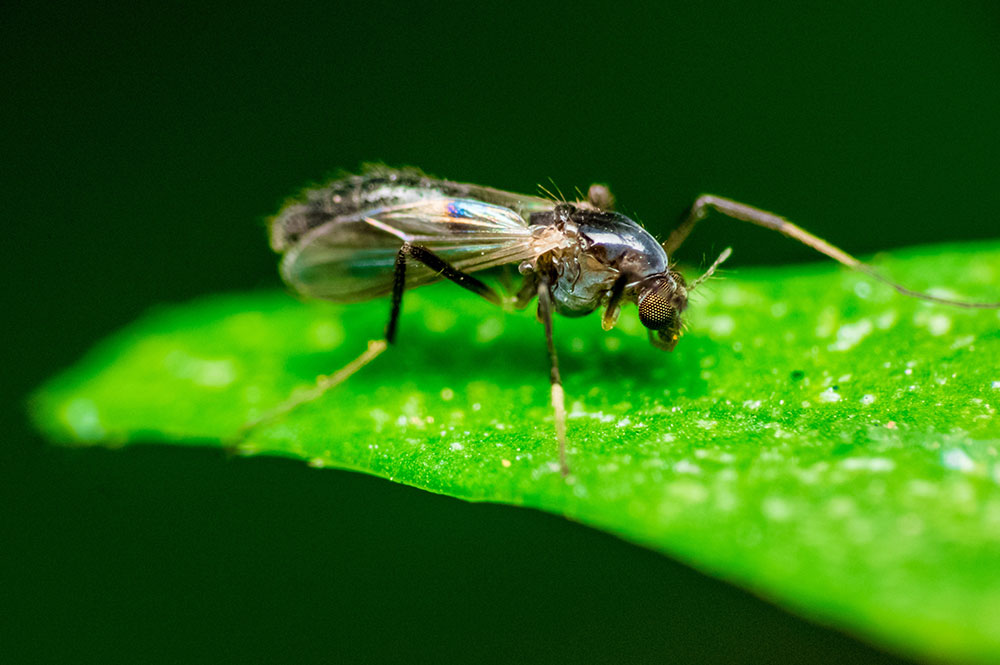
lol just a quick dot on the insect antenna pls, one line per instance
(712, 268)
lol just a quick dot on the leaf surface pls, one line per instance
(815, 437)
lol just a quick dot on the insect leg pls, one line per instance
(600, 197)
(528, 290)
(614, 306)
(769, 220)
(440, 266)
(377, 347)
(558, 398)
(323, 384)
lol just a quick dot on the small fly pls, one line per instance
(388, 231)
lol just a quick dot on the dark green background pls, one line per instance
(142, 148)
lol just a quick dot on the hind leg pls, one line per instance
(376, 347)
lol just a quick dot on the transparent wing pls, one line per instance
(352, 258)
(522, 204)
(380, 187)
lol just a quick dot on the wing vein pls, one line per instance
(352, 258)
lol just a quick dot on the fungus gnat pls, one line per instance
(387, 231)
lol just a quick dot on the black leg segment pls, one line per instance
(437, 264)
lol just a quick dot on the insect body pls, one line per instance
(387, 231)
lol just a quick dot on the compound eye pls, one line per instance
(656, 309)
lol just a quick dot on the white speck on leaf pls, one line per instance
(964, 340)
(877, 464)
(886, 319)
(722, 325)
(777, 509)
(958, 460)
(685, 466)
(829, 395)
(850, 334)
(688, 490)
(939, 324)
(201, 371)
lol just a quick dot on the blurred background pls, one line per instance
(145, 146)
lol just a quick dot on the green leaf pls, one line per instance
(815, 437)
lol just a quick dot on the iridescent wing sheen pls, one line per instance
(352, 258)
(522, 204)
(380, 187)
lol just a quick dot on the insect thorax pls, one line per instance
(602, 246)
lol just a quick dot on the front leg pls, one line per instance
(768, 220)
(747, 213)
(555, 380)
